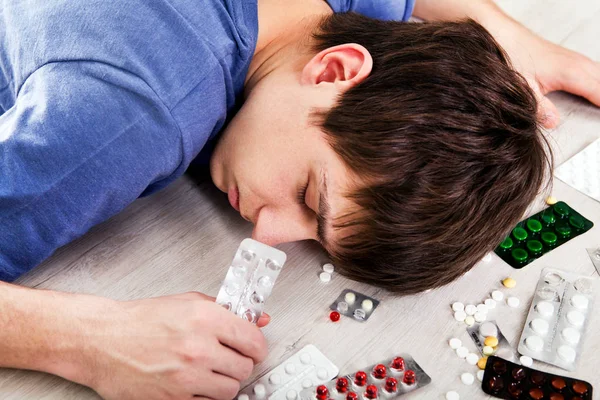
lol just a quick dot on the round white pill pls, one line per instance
(452, 395)
(580, 301)
(497, 295)
(544, 308)
(460, 316)
(490, 303)
(534, 343)
(482, 308)
(243, 396)
(488, 350)
(322, 374)
(470, 309)
(367, 305)
(566, 353)
(462, 352)
(275, 379)
(571, 335)
(575, 318)
(259, 390)
(540, 326)
(480, 375)
(513, 302)
(329, 268)
(487, 258)
(305, 358)
(291, 394)
(458, 306)
(290, 368)
(324, 277)
(469, 320)
(455, 343)
(526, 361)
(488, 329)
(472, 358)
(306, 383)
(467, 378)
(480, 317)
(350, 297)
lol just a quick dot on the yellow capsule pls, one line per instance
(491, 341)
(551, 200)
(482, 362)
(509, 283)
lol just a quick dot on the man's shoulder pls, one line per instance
(399, 10)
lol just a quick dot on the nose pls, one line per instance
(281, 226)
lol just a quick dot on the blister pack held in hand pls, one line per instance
(250, 279)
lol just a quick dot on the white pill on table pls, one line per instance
(526, 361)
(260, 391)
(480, 317)
(290, 368)
(490, 303)
(452, 395)
(575, 318)
(305, 358)
(488, 350)
(467, 378)
(472, 358)
(350, 297)
(571, 335)
(455, 343)
(513, 302)
(567, 353)
(480, 375)
(306, 383)
(324, 277)
(329, 268)
(580, 301)
(367, 305)
(488, 329)
(540, 326)
(322, 374)
(470, 309)
(458, 306)
(545, 308)
(243, 396)
(460, 316)
(482, 308)
(497, 295)
(534, 343)
(291, 394)
(469, 320)
(462, 352)
(275, 379)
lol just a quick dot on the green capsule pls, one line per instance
(506, 244)
(548, 218)
(520, 255)
(563, 230)
(561, 210)
(519, 233)
(534, 225)
(577, 222)
(549, 239)
(535, 247)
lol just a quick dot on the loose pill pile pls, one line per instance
(541, 233)
(250, 279)
(507, 380)
(389, 379)
(557, 318)
(355, 305)
(305, 369)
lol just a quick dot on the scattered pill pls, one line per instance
(469, 320)
(571, 335)
(452, 395)
(526, 361)
(540, 326)
(290, 368)
(509, 283)
(480, 375)
(567, 353)
(472, 358)
(497, 295)
(487, 258)
(259, 390)
(575, 318)
(490, 303)
(329, 268)
(334, 316)
(275, 379)
(462, 352)
(482, 308)
(243, 396)
(580, 301)
(458, 306)
(482, 362)
(467, 378)
(491, 341)
(551, 200)
(545, 308)
(470, 309)
(324, 277)
(488, 329)
(480, 317)
(350, 297)
(460, 316)
(513, 302)
(488, 350)
(455, 343)
(534, 343)
(367, 305)
(305, 358)
(291, 394)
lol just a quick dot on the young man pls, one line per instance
(407, 150)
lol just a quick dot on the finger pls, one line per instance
(232, 364)
(216, 387)
(583, 83)
(242, 336)
(548, 114)
(263, 320)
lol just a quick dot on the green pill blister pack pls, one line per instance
(542, 232)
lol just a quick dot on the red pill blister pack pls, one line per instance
(387, 380)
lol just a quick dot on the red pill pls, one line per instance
(351, 396)
(360, 379)
(322, 392)
(391, 385)
(398, 364)
(409, 377)
(334, 316)
(371, 392)
(379, 371)
(342, 385)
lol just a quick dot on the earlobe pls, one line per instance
(345, 65)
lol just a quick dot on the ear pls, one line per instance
(345, 65)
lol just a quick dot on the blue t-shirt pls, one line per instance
(103, 101)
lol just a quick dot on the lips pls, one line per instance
(234, 198)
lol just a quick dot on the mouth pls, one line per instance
(234, 198)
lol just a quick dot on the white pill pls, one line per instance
(534, 343)
(513, 302)
(452, 395)
(571, 335)
(479, 316)
(259, 390)
(575, 318)
(566, 353)
(458, 306)
(488, 350)
(487, 258)
(455, 343)
(526, 361)
(460, 316)
(290, 369)
(580, 301)
(480, 375)
(490, 303)
(350, 297)
(275, 379)
(322, 374)
(540, 326)
(305, 358)
(467, 378)
(462, 352)
(469, 320)
(367, 305)
(291, 394)
(324, 277)
(544, 308)
(497, 295)
(306, 383)
(243, 396)
(470, 309)
(482, 308)
(329, 268)
(472, 358)
(488, 329)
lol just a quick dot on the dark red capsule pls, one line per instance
(334, 316)
(371, 392)
(360, 379)
(409, 377)
(341, 385)
(397, 364)
(351, 396)
(379, 371)
(391, 385)
(322, 392)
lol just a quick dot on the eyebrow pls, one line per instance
(323, 214)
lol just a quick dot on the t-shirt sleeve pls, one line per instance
(82, 141)
(399, 10)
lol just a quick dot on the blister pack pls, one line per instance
(355, 305)
(307, 368)
(250, 279)
(511, 381)
(387, 380)
(480, 332)
(595, 257)
(558, 318)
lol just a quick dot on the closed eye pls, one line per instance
(302, 195)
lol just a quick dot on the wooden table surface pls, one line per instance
(183, 238)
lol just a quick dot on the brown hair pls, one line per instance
(444, 131)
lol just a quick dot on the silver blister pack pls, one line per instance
(355, 305)
(250, 279)
(478, 333)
